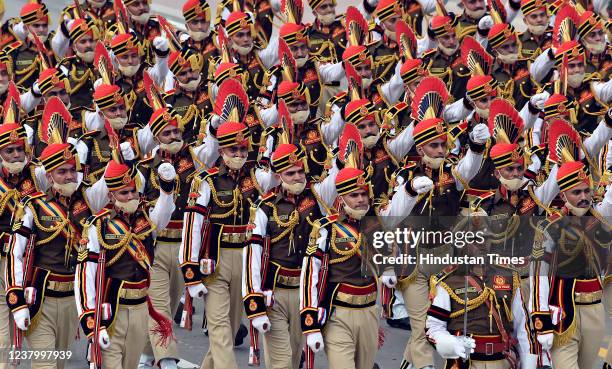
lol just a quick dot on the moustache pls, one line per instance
(583, 202)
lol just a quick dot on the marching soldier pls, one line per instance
(327, 36)
(593, 37)
(112, 298)
(385, 50)
(337, 295)
(101, 12)
(166, 280)
(197, 21)
(573, 246)
(538, 36)
(42, 255)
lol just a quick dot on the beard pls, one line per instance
(327, 19)
(448, 51)
(142, 18)
(87, 56)
(433, 163)
(242, 50)
(192, 85)
(537, 30)
(172, 147)
(198, 35)
(508, 58)
(575, 80)
(129, 70)
(475, 14)
(14, 167)
(370, 141)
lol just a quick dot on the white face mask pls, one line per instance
(66, 189)
(42, 38)
(575, 80)
(128, 207)
(576, 210)
(370, 141)
(142, 18)
(354, 213)
(300, 62)
(327, 19)
(483, 113)
(294, 189)
(242, 50)
(118, 122)
(173, 147)
(129, 70)
(391, 34)
(3, 87)
(198, 35)
(537, 30)
(475, 14)
(512, 184)
(508, 58)
(191, 85)
(366, 82)
(15, 167)
(87, 56)
(433, 163)
(447, 51)
(234, 163)
(300, 117)
(96, 4)
(595, 48)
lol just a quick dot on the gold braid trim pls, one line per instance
(77, 82)
(345, 254)
(98, 153)
(536, 200)
(511, 228)
(9, 195)
(572, 254)
(54, 230)
(294, 219)
(233, 204)
(472, 304)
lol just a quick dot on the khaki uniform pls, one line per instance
(26, 65)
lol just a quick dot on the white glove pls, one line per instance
(555, 314)
(69, 22)
(215, 121)
(127, 151)
(538, 100)
(262, 324)
(197, 290)
(480, 133)
(22, 318)
(314, 340)
(422, 184)
(184, 37)
(608, 195)
(389, 279)
(166, 171)
(20, 31)
(160, 43)
(485, 22)
(36, 89)
(81, 148)
(546, 340)
(103, 339)
(98, 82)
(453, 347)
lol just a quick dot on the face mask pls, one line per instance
(198, 35)
(42, 38)
(575, 80)
(242, 50)
(96, 4)
(142, 18)
(129, 70)
(366, 82)
(354, 213)
(87, 56)
(234, 163)
(483, 113)
(576, 210)
(448, 51)
(128, 207)
(3, 87)
(300, 62)
(173, 147)
(118, 122)
(66, 189)
(299, 117)
(508, 58)
(537, 30)
(15, 167)
(433, 163)
(294, 189)
(475, 14)
(595, 48)
(512, 184)
(191, 85)
(391, 34)
(370, 141)
(327, 19)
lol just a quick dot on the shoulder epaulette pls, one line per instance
(209, 173)
(263, 198)
(458, 129)
(12, 47)
(99, 215)
(443, 274)
(67, 60)
(36, 195)
(427, 53)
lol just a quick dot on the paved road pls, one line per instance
(193, 345)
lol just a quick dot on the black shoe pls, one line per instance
(375, 366)
(179, 314)
(302, 360)
(242, 332)
(403, 323)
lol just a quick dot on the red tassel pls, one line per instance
(381, 338)
(163, 327)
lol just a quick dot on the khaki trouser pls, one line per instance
(283, 343)
(127, 337)
(224, 310)
(581, 352)
(54, 329)
(498, 364)
(418, 351)
(167, 286)
(6, 320)
(608, 302)
(351, 338)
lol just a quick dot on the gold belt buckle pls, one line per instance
(58, 286)
(587, 297)
(234, 237)
(133, 294)
(289, 281)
